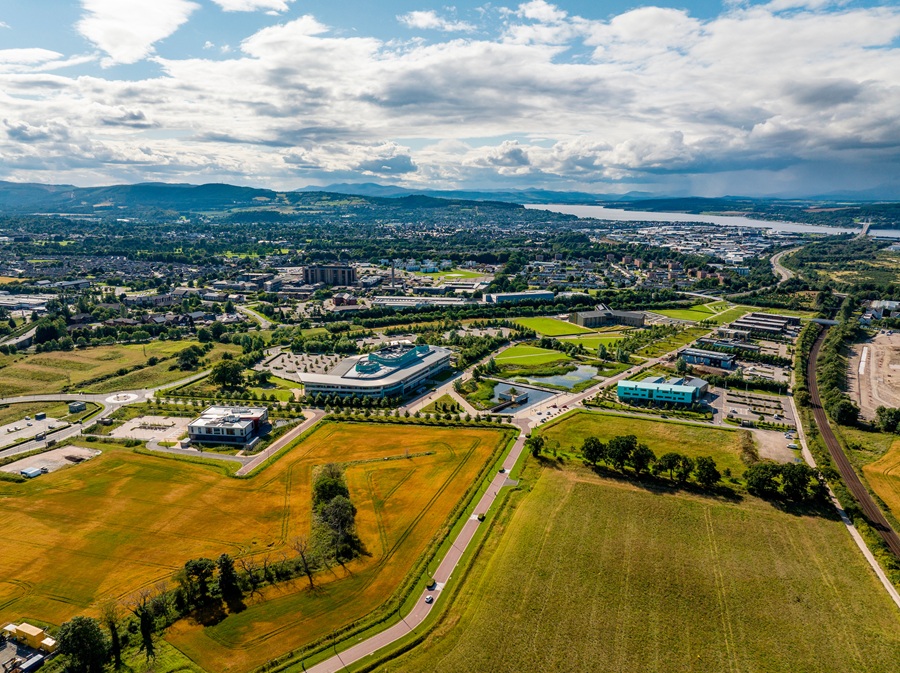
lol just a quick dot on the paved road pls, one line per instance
(848, 474)
(255, 317)
(109, 402)
(782, 271)
(442, 575)
(312, 417)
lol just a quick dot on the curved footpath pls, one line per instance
(848, 474)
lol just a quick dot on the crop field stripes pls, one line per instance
(722, 595)
(828, 580)
(625, 608)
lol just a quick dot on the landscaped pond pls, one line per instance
(534, 397)
(569, 381)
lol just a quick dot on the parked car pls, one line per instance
(429, 599)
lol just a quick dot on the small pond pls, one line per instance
(534, 397)
(570, 380)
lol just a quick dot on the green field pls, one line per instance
(279, 387)
(552, 327)
(661, 436)
(126, 520)
(883, 269)
(43, 373)
(445, 401)
(672, 343)
(586, 574)
(685, 314)
(718, 312)
(730, 315)
(452, 274)
(593, 342)
(529, 355)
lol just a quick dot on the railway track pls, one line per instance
(848, 474)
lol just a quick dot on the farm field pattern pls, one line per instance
(660, 582)
(124, 521)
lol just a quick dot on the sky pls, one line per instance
(700, 97)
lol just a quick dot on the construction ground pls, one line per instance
(874, 377)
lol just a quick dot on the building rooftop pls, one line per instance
(386, 366)
(229, 417)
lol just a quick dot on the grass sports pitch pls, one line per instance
(552, 327)
(125, 520)
(529, 355)
(585, 574)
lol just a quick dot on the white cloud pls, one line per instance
(28, 56)
(273, 6)
(127, 29)
(653, 96)
(541, 11)
(209, 45)
(429, 20)
(3, 24)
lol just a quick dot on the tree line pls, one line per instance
(624, 451)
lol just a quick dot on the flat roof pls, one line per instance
(668, 387)
(711, 354)
(384, 376)
(244, 412)
(29, 629)
(220, 422)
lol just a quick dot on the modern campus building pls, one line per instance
(516, 297)
(729, 333)
(329, 274)
(403, 301)
(696, 356)
(603, 316)
(393, 371)
(766, 324)
(657, 389)
(229, 425)
(791, 320)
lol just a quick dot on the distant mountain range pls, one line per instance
(523, 196)
(155, 197)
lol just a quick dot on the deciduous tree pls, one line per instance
(82, 640)
(705, 472)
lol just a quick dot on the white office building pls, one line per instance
(229, 425)
(394, 371)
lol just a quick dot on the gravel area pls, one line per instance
(52, 460)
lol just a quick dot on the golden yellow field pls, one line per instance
(884, 477)
(125, 521)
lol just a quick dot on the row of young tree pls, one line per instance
(624, 451)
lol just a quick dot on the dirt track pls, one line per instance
(874, 376)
